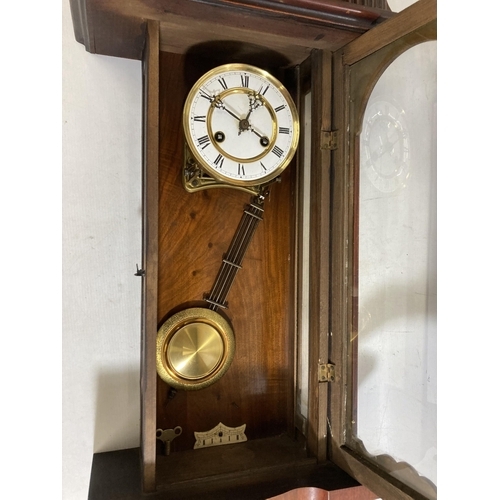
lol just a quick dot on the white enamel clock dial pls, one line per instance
(385, 146)
(241, 125)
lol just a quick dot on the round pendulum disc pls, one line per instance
(194, 348)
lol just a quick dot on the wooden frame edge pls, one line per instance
(408, 20)
(80, 23)
(150, 256)
(319, 252)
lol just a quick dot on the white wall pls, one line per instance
(101, 185)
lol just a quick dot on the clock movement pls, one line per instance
(249, 104)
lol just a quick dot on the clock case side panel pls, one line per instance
(357, 68)
(150, 68)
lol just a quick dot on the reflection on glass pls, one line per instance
(396, 367)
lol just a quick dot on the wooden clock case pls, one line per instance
(308, 45)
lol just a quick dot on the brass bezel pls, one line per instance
(192, 147)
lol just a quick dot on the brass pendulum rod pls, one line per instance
(232, 260)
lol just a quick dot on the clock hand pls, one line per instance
(218, 103)
(264, 141)
(245, 124)
(255, 132)
(255, 102)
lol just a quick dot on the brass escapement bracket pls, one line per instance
(195, 179)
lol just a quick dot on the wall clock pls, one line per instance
(234, 136)
(241, 127)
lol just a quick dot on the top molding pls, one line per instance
(117, 28)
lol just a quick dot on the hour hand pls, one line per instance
(264, 141)
(256, 100)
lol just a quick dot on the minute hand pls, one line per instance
(219, 104)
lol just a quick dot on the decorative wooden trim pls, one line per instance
(117, 28)
(150, 256)
(355, 493)
(337, 12)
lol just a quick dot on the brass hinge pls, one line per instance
(329, 139)
(326, 372)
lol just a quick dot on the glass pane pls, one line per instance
(396, 365)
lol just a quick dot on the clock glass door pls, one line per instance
(394, 398)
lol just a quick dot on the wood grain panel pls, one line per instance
(194, 231)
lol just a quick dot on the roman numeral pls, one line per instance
(284, 130)
(200, 119)
(279, 108)
(218, 160)
(264, 91)
(263, 166)
(223, 83)
(278, 151)
(204, 140)
(241, 169)
(244, 80)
